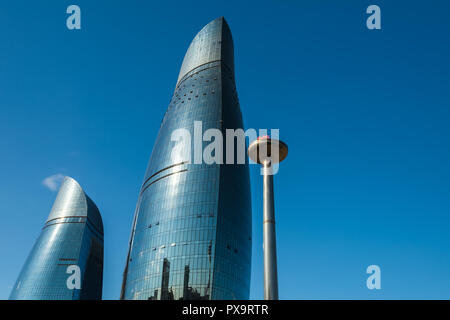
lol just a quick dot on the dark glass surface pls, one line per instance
(72, 235)
(191, 237)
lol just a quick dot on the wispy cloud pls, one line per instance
(73, 153)
(54, 181)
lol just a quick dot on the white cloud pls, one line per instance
(53, 182)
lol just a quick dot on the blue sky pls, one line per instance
(365, 114)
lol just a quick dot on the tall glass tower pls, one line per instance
(66, 262)
(191, 235)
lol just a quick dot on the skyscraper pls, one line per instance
(66, 262)
(191, 235)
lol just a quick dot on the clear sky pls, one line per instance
(365, 114)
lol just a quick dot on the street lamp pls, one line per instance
(260, 151)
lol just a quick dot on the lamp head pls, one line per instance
(260, 150)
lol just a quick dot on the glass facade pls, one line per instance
(191, 236)
(72, 235)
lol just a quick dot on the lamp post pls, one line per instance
(260, 151)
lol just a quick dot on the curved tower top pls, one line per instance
(71, 239)
(213, 43)
(73, 201)
(191, 235)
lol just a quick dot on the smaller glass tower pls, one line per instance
(66, 262)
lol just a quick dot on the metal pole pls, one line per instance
(269, 246)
